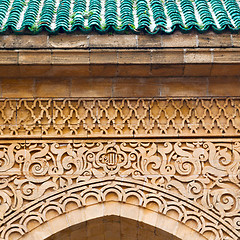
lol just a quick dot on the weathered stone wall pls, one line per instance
(66, 41)
(119, 65)
(65, 86)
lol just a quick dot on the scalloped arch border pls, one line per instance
(95, 192)
(123, 210)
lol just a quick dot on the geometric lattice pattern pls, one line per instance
(119, 117)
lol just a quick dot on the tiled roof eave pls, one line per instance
(123, 30)
(119, 16)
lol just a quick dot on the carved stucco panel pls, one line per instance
(199, 179)
(80, 118)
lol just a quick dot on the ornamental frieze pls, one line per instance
(197, 178)
(60, 152)
(81, 118)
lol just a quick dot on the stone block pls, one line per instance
(167, 224)
(95, 227)
(112, 231)
(136, 87)
(184, 87)
(127, 70)
(91, 87)
(130, 211)
(9, 70)
(76, 216)
(94, 211)
(68, 41)
(23, 41)
(177, 40)
(163, 70)
(52, 87)
(112, 41)
(224, 86)
(75, 234)
(186, 233)
(70, 57)
(134, 57)
(225, 70)
(63, 235)
(148, 217)
(35, 57)
(164, 235)
(112, 208)
(149, 41)
(144, 233)
(236, 40)
(103, 70)
(198, 70)
(198, 56)
(226, 56)
(41, 232)
(214, 40)
(58, 224)
(17, 87)
(167, 56)
(100, 56)
(128, 229)
(34, 70)
(99, 237)
(8, 57)
(81, 70)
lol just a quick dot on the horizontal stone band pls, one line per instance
(107, 118)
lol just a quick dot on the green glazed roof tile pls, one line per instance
(152, 16)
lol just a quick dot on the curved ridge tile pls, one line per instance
(142, 14)
(111, 13)
(46, 16)
(205, 14)
(233, 10)
(94, 13)
(4, 6)
(126, 10)
(220, 13)
(188, 12)
(173, 13)
(14, 15)
(79, 13)
(31, 15)
(159, 15)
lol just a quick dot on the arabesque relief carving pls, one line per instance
(119, 117)
(199, 179)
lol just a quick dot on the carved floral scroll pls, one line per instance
(199, 172)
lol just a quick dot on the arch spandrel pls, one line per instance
(183, 180)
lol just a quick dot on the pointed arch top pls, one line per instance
(166, 227)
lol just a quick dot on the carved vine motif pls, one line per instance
(205, 173)
(119, 117)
